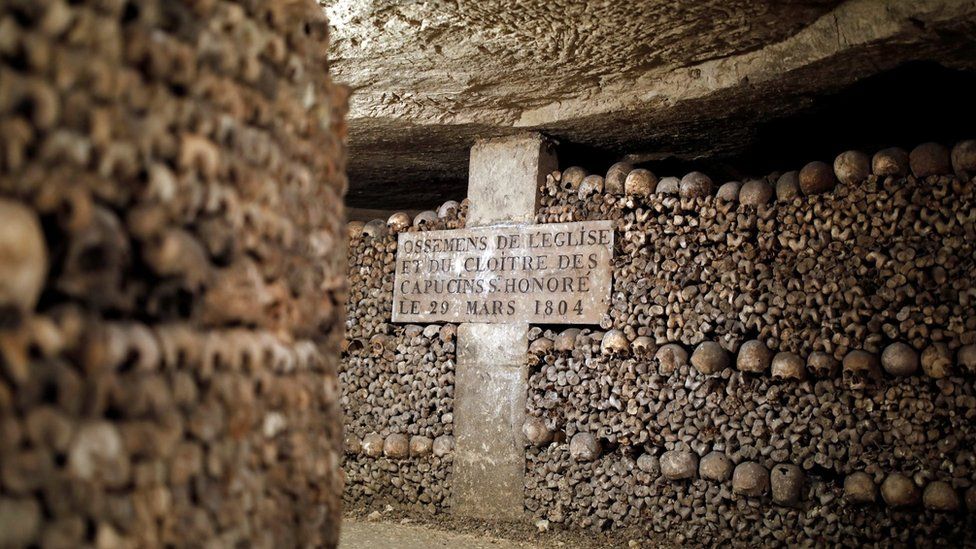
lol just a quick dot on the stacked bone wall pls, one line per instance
(786, 360)
(171, 274)
(397, 381)
(777, 366)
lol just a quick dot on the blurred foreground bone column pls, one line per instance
(171, 273)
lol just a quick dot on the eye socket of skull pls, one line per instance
(591, 184)
(642, 346)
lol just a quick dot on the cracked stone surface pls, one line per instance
(656, 79)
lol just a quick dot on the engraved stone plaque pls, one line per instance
(544, 274)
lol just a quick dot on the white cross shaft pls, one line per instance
(504, 179)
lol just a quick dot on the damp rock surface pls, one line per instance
(641, 78)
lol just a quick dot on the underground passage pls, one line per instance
(383, 274)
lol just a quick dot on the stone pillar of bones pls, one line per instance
(489, 468)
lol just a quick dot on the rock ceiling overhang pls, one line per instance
(654, 79)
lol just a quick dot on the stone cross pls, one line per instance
(491, 380)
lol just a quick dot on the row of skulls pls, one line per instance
(784, 482)
(858, 367)
(815, 177)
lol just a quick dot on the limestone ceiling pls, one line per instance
(658, 78)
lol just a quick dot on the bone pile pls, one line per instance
(885, 258)
(397, 381)
(171, 274)
(787, 360)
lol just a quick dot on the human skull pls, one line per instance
(753, 357)
(614, 343)
(822, 365)
(443, 445)
(447, 333)
(425, 219)
(861, 368)
(940, 496)
(936, 361)
(376, 229)
(668, 185)
(930, 159)
(643, 347)
(729, 191)
(354, 229)
(23, 267)
(786, 482)
(373, 445)
(715, 466)
(448, 209)
(964, 159)
(898, 490)
(670, 357)
(788, 186)
(565, 342)
(97, 256)
(966, 357)
(898, 359)
(890, 162)
(572, 177)
(859, 487)
(788, 366)
(420, 446)
(695, 184)
(852, 167)
(709, 357)
(679, 464)
(538, 349)
(755, 192)
(616, 176)
(379, 343)
(817, 177)
(584, 447)
(398, 222)
(592, 184)
(396, 446)
(640, 182)
(536, 431)
(750, 479)
(351, 444)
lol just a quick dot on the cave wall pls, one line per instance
(171, 274)
(789, 359)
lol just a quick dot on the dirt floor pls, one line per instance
(393, 535)
(389, 528)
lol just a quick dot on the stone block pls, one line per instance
(490, 388)
(504, 177)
